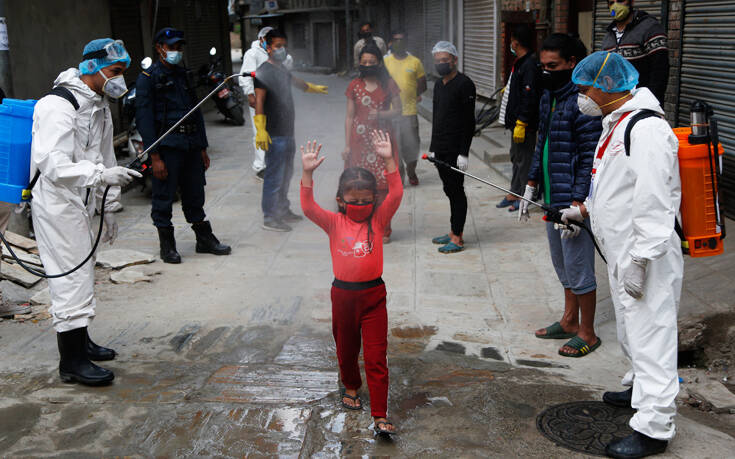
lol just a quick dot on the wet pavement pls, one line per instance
(233, 356)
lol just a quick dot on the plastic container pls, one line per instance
(698, 205)
(16, 122)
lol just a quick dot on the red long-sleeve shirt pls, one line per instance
(353, 258)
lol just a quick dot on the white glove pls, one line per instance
(572, 213)
(110, 228)
(570, 231)
(119, 176)
(523, 208)
(634, 277)
(463, 162)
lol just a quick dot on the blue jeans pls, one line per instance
(278, 173)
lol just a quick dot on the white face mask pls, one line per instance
(114, 87)
(588, 106)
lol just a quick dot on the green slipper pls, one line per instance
(451, 248)
(442, 240)
(580, 345)
(555, 331)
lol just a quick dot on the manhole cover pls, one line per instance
(586, 427)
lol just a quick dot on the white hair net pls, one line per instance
(445, 47)
(264, 31)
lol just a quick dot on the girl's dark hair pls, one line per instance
(358, 178)
(568, 46)
(525, 36)
(383, 75)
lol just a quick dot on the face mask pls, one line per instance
(174, 57)
(398, 47)
(555, 80)
(368, 70)
(512, 51)
(444, 69)
(619, 12)
(359, 212)
(114, 87)
(365, 34)
(264, 45)
(279, 55)
(588, 106)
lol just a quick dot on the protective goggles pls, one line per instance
(113, 51)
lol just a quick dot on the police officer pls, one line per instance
(165, 93)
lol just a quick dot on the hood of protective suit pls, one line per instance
(71, 80)
(256, 45)
(643, 99)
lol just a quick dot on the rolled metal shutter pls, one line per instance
(603, 19)
(434, 20)
(206, 27)
(415, 28)
(480, 43)
(707, 69)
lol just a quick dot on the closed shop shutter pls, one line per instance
(603, 19)
(126, 26)
(434, 26)
(205, 26)
(480, 32)
(708, 66)
(415, 28)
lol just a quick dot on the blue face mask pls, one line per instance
(264, 45)
(174, 57)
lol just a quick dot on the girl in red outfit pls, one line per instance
(358, 291)
(373, 101)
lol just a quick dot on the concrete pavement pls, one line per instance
(233, 356)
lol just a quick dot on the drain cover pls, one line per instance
(586, 427)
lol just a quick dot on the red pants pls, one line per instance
(356, 313)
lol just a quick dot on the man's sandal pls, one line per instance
(355, 398)
(383, 430)
(581, 346)
(555, 331)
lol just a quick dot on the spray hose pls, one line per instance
(134, 164)
(552, 215)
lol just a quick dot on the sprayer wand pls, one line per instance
(552, 215)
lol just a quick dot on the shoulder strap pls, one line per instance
(64, 93)
(641, 115)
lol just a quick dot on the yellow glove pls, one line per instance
(316, 88)
(519, 133)
(262, 138)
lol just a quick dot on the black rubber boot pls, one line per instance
(619, 399)
(75, 365)
(635, 445)
(98, 353)
(168, 245)
(207, 242)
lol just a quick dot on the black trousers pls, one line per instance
(521, 155)
(454, 189)
(185, 173)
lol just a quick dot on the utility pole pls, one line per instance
(348, 35)
(6, 81)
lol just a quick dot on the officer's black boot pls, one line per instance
(168, 245)
(620, 399)
(75, 365)
(98, 353)
(207, 242)
(635, 445)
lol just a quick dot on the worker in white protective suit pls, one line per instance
(633, 201)
(72, 151)
(254, 58)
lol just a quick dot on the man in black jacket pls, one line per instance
(452, 130)
(640, 39)
(521, 112)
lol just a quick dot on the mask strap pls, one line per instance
(616, 100)
(600, 71)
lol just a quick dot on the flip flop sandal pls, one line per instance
(356, 398)
(504, 203)
(442, 240)
(451, 248)
(580, 345)
(555, 331)
(378, 430)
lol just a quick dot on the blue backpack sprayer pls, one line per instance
(16, 122)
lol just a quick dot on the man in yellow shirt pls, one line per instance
(409, 75)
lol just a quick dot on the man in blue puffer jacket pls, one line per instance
(561, 168)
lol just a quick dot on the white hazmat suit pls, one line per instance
(633, 203)
(71, 148)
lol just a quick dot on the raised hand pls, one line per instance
(310, 156)
(382, 145)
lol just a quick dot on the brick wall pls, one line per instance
(676, 25)
(561, 16)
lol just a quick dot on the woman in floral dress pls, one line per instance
(373, 101)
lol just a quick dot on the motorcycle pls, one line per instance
(230, 99)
